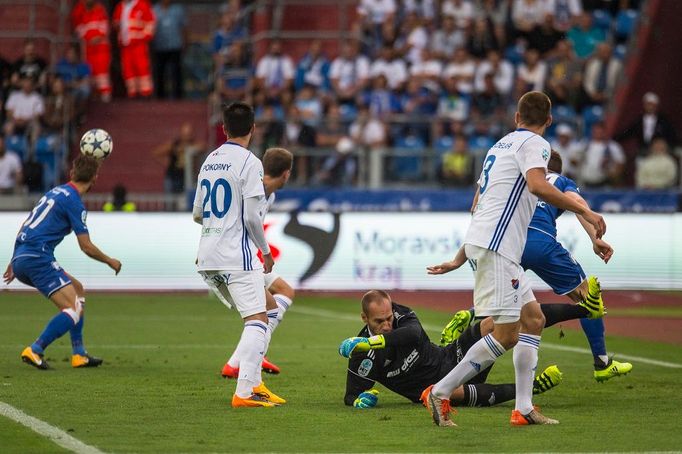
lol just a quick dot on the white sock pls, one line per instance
(273, 318)
(479, 357)
(604, 358)
(283, 303)
(252, 345)
(525, 363)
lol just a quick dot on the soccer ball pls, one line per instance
(96, 143)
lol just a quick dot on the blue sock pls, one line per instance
(594, 330)
(77, 337)
(55, 329)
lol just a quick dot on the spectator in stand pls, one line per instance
(457, 166)
(416, 38)
(601, 74)
(501, 71)
(309, 106)
(234, 81)
(426, 9)
(75, 74)
(275, 72)
(462, 68)
(460, 10)
(332, 129)
(452, 104)
(488, 103)
(527, 14)
(564, 79)
(603, 160)
(565, 12)
(368, 131)
(135, 22)
(570, 149)
(418, 101)
(349, 73)
(585, 36)
(119, 201)
(545, 36)
(482, 38)
(533, 71)
(340, 168)
(29, 65)
(380, 100)
(59, 108)
(447, 39)
(91, 22)
(373, 14)
(225, 36)
(11, 178)
(170, 39)
(650, 125)
(25, 108)
(313, 69)
(176, 154)
(658, 170)
(428, 71)
(391, 67)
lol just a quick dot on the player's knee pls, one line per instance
(281, 287)
(80, 291)
(507, 339)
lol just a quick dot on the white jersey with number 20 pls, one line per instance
(505, 205)
(229, 175)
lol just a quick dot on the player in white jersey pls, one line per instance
(227, 204)
(512, 179)
(277, 164)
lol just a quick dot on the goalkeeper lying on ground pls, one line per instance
(394, 350)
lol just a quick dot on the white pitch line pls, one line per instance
(56, 435)
(549, 345)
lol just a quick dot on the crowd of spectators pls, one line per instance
(438, 75)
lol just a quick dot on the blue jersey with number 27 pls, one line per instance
(56, 214)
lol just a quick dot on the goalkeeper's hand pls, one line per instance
(361, 344)
(367, 399)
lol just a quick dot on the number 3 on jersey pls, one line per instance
(212, 195)
(487, 165)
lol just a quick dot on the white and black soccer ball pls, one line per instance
(96, 143)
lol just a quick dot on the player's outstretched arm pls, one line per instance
(445, 267)
(254, 226)
(94, 252)
(539, 186)
(599, 246)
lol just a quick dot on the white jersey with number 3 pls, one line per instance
(229, 175)
(505, 205)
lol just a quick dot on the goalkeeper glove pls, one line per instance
(361, 344)
(367, 399)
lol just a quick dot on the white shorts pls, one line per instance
(270, 279)
(501, 289)
(242, 289)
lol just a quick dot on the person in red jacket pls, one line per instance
(134, 20)
(91, 23)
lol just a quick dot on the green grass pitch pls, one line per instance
(160, 389)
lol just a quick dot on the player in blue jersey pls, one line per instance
(547, 258)
(57, 213)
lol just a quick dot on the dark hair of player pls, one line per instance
(238, 118)
(555, 163)
(84, 169)
(276, 161)
(373, 296)
(534, 108)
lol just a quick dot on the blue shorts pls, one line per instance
(547, 258)
(41, 272)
